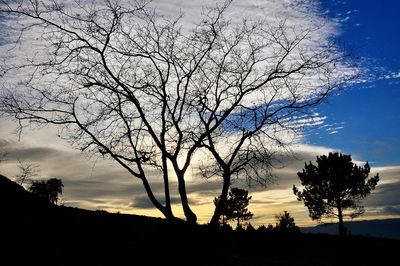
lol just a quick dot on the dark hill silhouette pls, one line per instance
(16, 201)
(19, 205)
(34, 232)
(387, 228)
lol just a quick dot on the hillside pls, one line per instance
(388, 228)
(17, 202)
(35, 232)
(20, 207)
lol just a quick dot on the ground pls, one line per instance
(35, 232)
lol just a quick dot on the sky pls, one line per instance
(361, 120)
(368, 110)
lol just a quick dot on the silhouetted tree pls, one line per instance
(235, 206)
(26, 172)
(334, 185)
(223, 219)
(237, 203)
(265, 229)
(122, 81)
(47, 189)
(285, 223)
(262, 228)
(250, 228)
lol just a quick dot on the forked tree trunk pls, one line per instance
(163, 209)
(189, 214)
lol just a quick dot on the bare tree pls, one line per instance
(27, 171)
(266, 81)
(124, 82)
(105, 80)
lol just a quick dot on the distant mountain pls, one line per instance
(387, 228)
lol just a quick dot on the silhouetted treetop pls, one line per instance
(235, 207)
(27, 171)
(47, 189)
(334, 185)
(285, 223)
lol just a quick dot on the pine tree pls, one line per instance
(334, 185)
(235, 207)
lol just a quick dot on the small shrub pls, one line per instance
(285, 223)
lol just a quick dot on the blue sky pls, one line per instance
(366, 113)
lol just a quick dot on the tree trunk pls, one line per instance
(168, 213)
(168, 210)
(342, 230)
(189, 214)
(165, 211)
(221, 203)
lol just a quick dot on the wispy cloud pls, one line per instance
(391, 210)
(391, 75)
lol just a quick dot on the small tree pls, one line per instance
(223, 219)
(334, 185)
(250, 228)
(286, 223)
(235, 207)
(47, 189)
(26, 172)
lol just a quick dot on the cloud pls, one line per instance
(391, 210)
(391, 75)
(204, 187)
(98, 189)
(17, 150)
(143, 202)
(298, 14)
(33, 154)
(387, 194)
(373, 73)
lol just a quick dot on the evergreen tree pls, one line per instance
(334, 185)
(235, 207)
(286, 223)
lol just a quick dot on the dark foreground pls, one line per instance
(36, 233)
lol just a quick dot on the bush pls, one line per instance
(47, 189)
(285, 223)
